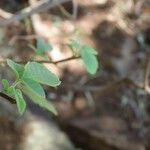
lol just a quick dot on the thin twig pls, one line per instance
(10, 99)
(90, 99)
(43, 61)
(75, 9)
(66, 13)
(40, 6)
(87, 94)
(53, 62)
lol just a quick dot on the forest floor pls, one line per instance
(108, 111)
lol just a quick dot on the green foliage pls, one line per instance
(88, 55)
(10, 91)
(5, 84)
(21, 104)
(35, 86)
(17, 68)
(30, 76)
(37, 98)
(41, 47)
(37, 72)
(75, 46)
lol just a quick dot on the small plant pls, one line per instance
(87, 54)
(31, 76)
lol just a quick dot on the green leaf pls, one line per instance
(89, 59)
(87, 54)
(34, 86)
(42, 46)
(5, 84)
(89, 49)
(38, 99)
(10, 91)
(17, 68)
(75, 46)
(21, 104)
(39, 73)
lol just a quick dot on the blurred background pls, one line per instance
(107, 111)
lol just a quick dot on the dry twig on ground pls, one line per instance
(40, 6)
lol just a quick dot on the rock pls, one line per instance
(30, 131)
(44, 135)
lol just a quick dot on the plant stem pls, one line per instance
(10, 99)
(43, 61)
